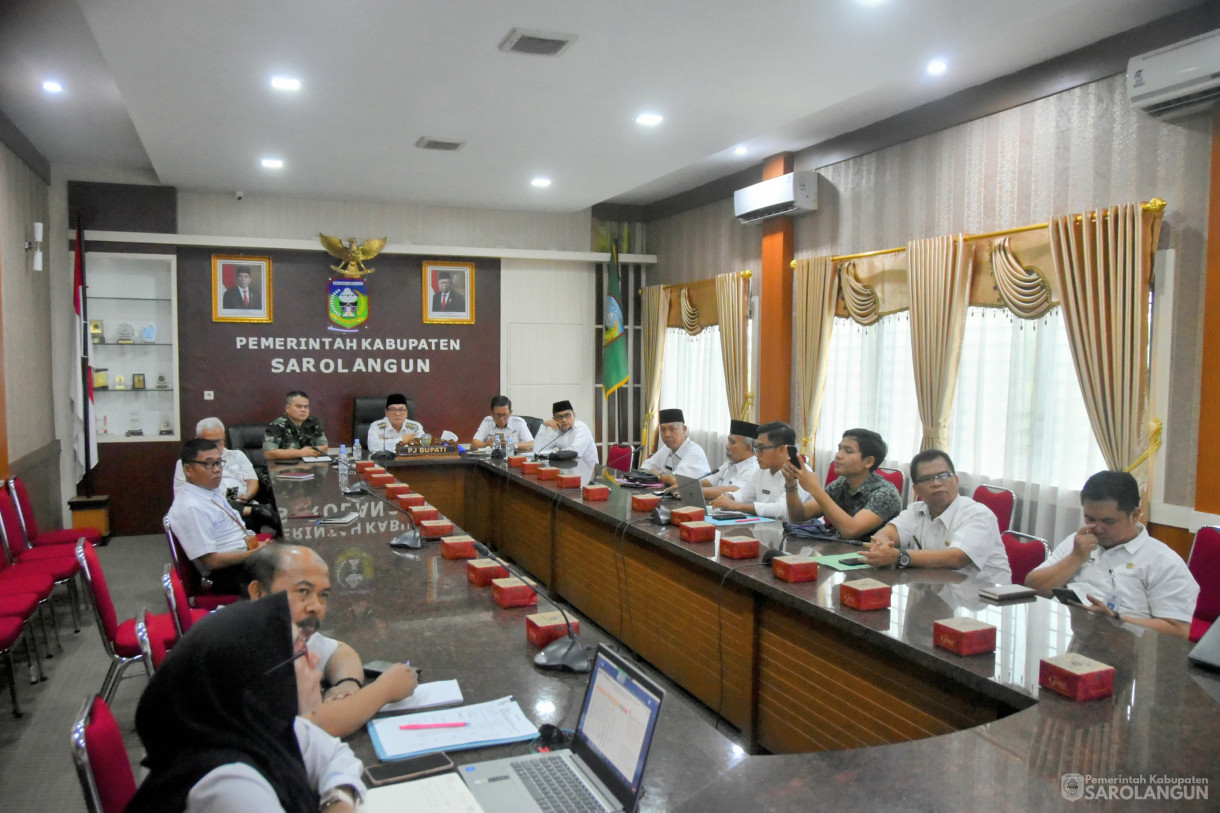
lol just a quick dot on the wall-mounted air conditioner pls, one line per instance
(1178, 79)
(787, 194)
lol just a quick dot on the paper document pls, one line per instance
(492, 723)
(428, 696)
(743, 521)
(339, 519)
(446, 793)
(316, 459)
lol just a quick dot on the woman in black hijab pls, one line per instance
(219, 720)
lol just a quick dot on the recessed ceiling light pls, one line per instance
(273, 163)
(541, 183)
(285, 83)
(937, 66)
(649, 119)
(740, 151)
(51, 86)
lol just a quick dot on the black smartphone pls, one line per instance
(1067, 596)
(858, 560)
(387, 773)
(795, 457)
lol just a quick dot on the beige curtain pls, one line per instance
(815, 289)
(1103, 264)
(861, 300)
(1022, 289)
(733, 313)
(655, 317)
(939, 269)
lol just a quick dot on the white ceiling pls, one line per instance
(182, 87)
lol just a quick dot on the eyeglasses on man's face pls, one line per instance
(210, 465)
(940, 476)
(762, 447)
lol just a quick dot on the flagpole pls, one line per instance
(83, 361)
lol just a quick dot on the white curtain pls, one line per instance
(692, 379)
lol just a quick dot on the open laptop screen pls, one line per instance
(617, 723)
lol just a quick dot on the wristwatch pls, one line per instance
(337, 795)
(904, 559)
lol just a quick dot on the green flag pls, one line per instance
(614, 339)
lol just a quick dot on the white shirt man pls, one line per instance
(503, 423)
(395, 428)
(943, 529)
(678, 454)
(563, 431)
(766, 496)
(238, 471)
(737, 472)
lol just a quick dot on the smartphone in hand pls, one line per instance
(795, 457)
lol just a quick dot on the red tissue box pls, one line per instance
(512, 592)
(1076, 677)
(361, 465)
(530, 467)
(645, 502)
(543, 628)
(458, 547)
(865, 594)
(595, 493)
(410, 500)
(570, 480)
(548, 473)
(516, 460)
(965, 636)
(480, 572)
(419, 513)
(383, 479)
(371, 472)
(697, 531)
(794, 568)
(432, 528)
(686, 514)
(739, 547)
(395, 490)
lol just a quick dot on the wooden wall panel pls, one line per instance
(443, 486)
(524, 531)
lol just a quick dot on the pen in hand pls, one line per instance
(426, 726)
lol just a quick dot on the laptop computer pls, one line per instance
(605, 767)
(690, 492)
(1207, 651)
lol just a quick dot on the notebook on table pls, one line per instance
(604, 769)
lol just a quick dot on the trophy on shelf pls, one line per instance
(162, 384)
(119, 383)
(166, 429)
(95, 331)
(100, 378)
(133, 423)
(127, 334)
(149, 334)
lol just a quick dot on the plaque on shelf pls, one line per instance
(166, 429)
(95, 331)
(137, 381)
(119, 383)
(127, 334)
(100, 377)
(134, 429)
(149, 334)
(162, 384)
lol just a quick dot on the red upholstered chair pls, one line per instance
(12, 630)
(57, 561)
(1025, 553)
(180, 608)
(895, 477)
(831, 474)
(197, 592)
(1002, 502)
(37, 538)
(20, 579)
(153, 648)
(621, 456)
(24, 606)
(105, 774)
(119, 640)
(1204, 564)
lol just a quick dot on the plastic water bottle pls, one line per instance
(345, 467)
(357, 451)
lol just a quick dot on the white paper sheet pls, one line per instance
(491, 723)
(428, 696)
(446, 793)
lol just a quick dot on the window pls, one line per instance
(692, 379)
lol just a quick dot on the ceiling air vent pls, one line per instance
(536, 43)
(445, 144)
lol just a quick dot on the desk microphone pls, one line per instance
(538, 452)
(565, 653)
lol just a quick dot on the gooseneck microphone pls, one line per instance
(538, 452)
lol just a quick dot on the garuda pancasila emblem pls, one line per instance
(353, 257)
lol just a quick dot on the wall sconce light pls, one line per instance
(36, 246)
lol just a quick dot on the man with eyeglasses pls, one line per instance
(736, 473)
(1116, 567)
(395, 428)
(678, 453)
(503, 423)
(942, 529)
(767, 494)
(859, 501)
(211, 532)
(563, 431)
(296, 433)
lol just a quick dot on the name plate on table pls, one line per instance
(439, 450)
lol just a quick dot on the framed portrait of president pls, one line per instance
(241, 288)
(448, 293)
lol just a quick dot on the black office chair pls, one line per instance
(533, 423)
(367, 410)
(248, 438)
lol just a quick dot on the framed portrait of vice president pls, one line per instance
(448, 295)
(241, 288)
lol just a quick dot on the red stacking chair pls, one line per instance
(1204, 564)
(1025, 553)
(895, 477)
(101, 760)
(153, 648)
(180, 608)
(57, 561)
(621, 456)
(24, 606)
(197, 590)
(29, 524)
(831, 474)
(13, 628)
(16, 580)
(1002, 502)
(119, 640)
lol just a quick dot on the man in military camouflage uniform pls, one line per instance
(395, 428)
(294, 434)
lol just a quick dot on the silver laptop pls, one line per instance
(604, 769)
(1207, 651)
(690, 492)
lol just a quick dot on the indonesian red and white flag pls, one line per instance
(83, 434)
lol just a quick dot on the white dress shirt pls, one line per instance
(687, 460)
(768, 495)
(204, 523)
(323, 647)
(384, 437)
(237, 470)
(239, 786)
(1149, 579)
(517, 430)
(738, 476)
(967, 525)
(578, 437)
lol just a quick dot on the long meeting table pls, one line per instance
(830, 705)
